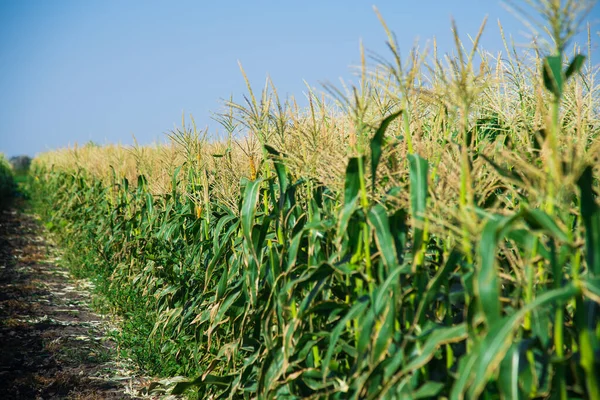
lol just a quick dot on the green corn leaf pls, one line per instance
(249, 208)
(260, 232)
(524, 239)
(385, 334)
(142, 183)
(477, 368)
(303, 348)
(355, 312)
(552, 73)
(540, 321)
(466, 365)
(218, 252)
(352, 181)
(391, 283)
(385, 242)
(428, 390)
(377, 144)
(592, 288)
(367, 322)
(328, 308)
(306, 275)
(174, 183)
(418, 194)
(219, 241)
(222, 285)
(434, 284)
(321, 275)
(575, 66)
(493, 350)
(293, 249)
(271, 370)
(509, 374)
(437, 338)
(230, 298)
(280, 169)
(312, 379)
(487, 284)
(538, 219)
(149, 204)
(514, 378)
(590, 214)
(399, 231)
(418, 184)
(351, 189)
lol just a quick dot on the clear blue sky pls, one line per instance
(104, 70)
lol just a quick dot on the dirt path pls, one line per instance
(51, 345)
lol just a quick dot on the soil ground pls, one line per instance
(52, 346)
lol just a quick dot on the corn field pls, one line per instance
(431, 232)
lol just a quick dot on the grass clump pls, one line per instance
(431, 232)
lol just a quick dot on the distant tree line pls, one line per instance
(20, 164)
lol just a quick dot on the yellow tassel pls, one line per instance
(252, 169)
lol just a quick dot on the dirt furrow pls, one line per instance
(52, 346)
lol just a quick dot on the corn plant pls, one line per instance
(425, 234)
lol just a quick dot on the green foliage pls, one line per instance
(303, 290)
(7, 183)
(277, 300)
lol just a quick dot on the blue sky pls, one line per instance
(104, 70)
